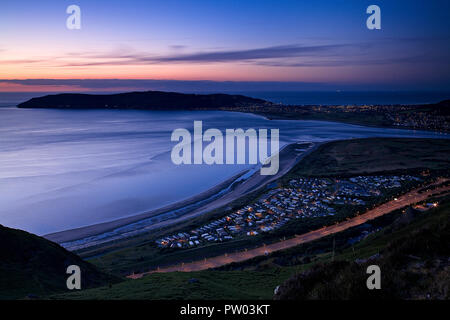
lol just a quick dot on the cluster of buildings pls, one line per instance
(434, 118)
(368, 186)
(400, 115)
(303, 198)
(420, 120)
(374, 183)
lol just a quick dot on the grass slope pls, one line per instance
(414, 263)
(33, 266)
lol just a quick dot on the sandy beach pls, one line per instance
(131, 226)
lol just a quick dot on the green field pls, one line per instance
(375, 155)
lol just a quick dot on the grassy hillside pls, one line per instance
(208, 284)
(414, 263)
(31, 266)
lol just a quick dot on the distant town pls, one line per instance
(432, 117)
(425, 118)
(303, 198)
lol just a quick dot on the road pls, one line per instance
(218, 261)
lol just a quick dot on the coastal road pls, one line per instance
(218, 261)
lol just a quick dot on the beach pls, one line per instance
(105, 232)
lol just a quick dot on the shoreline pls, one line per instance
(355, 123)
(85, 231)
(127, 227)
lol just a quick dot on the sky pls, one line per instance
(295, 45)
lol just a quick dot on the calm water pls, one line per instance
(66, 169)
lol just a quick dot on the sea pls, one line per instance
(64, 169)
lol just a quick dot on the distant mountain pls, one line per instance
(152, 100)
(31, 266)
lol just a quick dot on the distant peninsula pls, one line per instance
(149, 100)
(432, 117)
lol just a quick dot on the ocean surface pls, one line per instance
(63, 169)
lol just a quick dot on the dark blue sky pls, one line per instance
(320, 43)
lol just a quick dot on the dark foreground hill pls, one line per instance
(31, 266)
(152, 100)
(413, 259)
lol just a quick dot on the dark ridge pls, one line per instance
(151, 100)
(32, 267)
